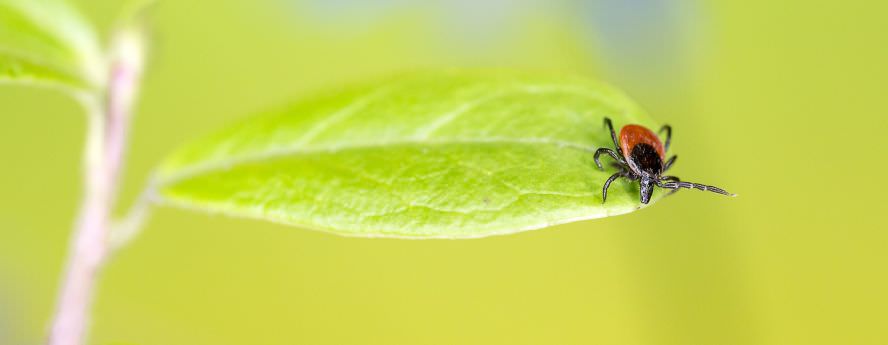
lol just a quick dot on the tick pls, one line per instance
(641, 156)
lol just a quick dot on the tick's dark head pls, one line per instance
(647, 189)
(646, 160)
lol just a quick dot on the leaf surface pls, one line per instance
(48, 43)
(436, 155)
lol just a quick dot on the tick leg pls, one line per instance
(689, 185)
(668, 130)
(610, 126)
(607, 185)
(669, 178)
(612, 153)
(669, 163)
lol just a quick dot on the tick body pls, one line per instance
(641, 156)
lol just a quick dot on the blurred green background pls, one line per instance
(782, 102)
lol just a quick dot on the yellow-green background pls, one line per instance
(784, 103)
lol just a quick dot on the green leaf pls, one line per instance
(46, 42)
(439, 155)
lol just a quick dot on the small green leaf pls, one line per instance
(449, 155)
(46, 42)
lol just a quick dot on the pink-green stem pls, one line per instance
(109, 117)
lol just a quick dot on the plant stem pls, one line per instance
(127, 228)
(88, 246)
(109, 117)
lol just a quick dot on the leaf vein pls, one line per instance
(340, 115)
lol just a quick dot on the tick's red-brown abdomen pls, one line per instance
(631, 135)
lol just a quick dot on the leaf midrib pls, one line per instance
(62, 71)
(217, 165)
